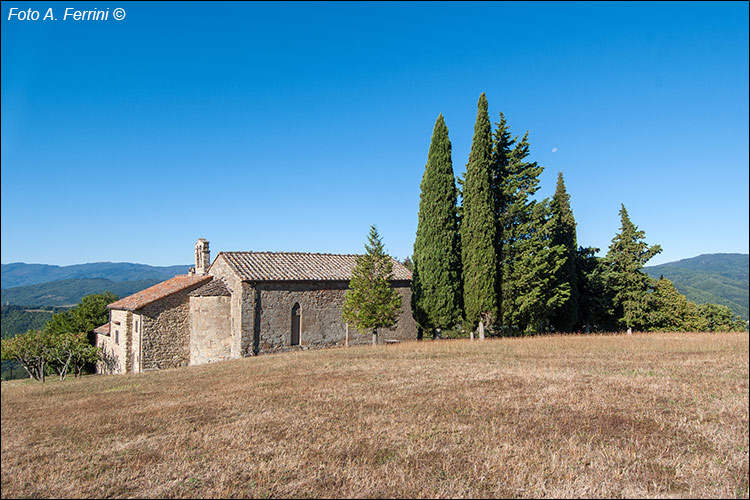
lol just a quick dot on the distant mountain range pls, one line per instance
(69, 292)
(21, 274)
(719, 278)
(46, 285)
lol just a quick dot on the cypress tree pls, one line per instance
(563, 232)
(436, 280)
(629, 286)
(478, 229)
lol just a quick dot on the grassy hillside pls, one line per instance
(656, 415)
(718, 278)
(21, 274)
(70, 292)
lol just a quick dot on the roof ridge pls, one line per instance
(286, 252)
(282, 266)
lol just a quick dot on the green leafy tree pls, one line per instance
(563, 233)
(371, 302)
(535, 269)
(502, 152)
(408, 264)
(594, 298)
(719, 318)
(71, 352)
(478, 228)
(670, 311)
(522, 230)
(436, 280)
(84, 317)
(629, 286)
(32, 350)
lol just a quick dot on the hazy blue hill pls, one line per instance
(721, 278)
(70, 291)
(21, 274)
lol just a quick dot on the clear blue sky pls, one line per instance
(294, 126)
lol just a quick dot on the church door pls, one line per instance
(295, 325)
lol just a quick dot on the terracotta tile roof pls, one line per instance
(102, 330)
(158, 291)
(214, 288)
(297, 266)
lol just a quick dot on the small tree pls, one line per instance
(371, 302)
(627, 254)
(670, 311)
(31, 350)
(718, 318)
(71, 351)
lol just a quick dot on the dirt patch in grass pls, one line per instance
(583, 416)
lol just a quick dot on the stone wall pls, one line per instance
(166, 332)
(210, 329)
(110, 362)
(221, 269)
(136, 322)
(321, 324)
(115, 349)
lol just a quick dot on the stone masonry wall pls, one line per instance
(221, 269)
(210, 329)
(166, 332)
(111, 361)
(115, 349)
(136, 322)
(321, 322)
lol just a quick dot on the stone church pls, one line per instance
(244, 303)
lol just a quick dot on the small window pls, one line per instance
(136, 326)
(117, 337)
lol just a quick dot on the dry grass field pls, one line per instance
(647, 415)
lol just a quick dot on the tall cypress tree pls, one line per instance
(563, 232)
(627, 254)
(436, 281)
(478, 229)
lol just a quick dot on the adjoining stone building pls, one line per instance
(244, 303)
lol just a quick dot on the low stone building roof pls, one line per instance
(102, 330)
(158, 291)
(214, 288)
(298, 266)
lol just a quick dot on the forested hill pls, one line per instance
(717, 278)
(69, 292)
(720, 278)
(21, 274)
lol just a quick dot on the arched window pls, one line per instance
(296, 324)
